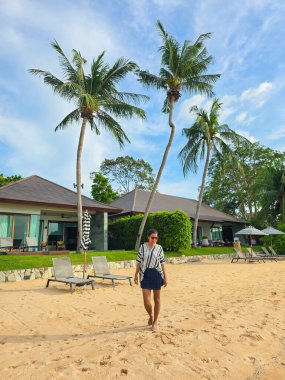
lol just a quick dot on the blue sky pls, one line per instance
(248, 46)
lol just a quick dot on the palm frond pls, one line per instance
(151, 80)
(68, 70)
(69, 119)
(129, 96)
(79, 62)
(123, 110)
(207, 132)
(104, 120)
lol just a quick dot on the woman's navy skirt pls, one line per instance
(152, 279)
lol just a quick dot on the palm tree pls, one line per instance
(272, 192)
(183, 69)
(205, 137)
(97, 101)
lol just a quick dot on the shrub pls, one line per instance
(174, 229)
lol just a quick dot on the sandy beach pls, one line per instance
(218, 321)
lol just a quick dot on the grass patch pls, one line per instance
(8, 262)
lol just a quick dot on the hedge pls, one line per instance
(174, 230)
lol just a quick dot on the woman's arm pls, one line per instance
(136, 274)
(165, 280)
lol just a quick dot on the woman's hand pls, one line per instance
(165, 281)
(136, 279)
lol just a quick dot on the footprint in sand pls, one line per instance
(223, 339)
(250, 337)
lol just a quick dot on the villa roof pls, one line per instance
(35, 190)
(135, 202)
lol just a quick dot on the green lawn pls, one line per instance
(8, 262)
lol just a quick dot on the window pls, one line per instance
(18, 227)
(217, 233)
(34, 226)
(199, 234)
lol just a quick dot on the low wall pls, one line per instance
(34, 273)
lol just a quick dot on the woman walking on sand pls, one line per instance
(151, 267)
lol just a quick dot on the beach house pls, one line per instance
(36, 207)
(213, 224)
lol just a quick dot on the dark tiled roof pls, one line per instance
(38, 190)
(136, 200)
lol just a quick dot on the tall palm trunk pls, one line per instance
(79, 183)
(152, 194)
(206, 167)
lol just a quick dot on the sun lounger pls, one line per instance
(274, 254)
(260, 256)
(101, 270)
(63, 272)
(240, 256)
(268, 254)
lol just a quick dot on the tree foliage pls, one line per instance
(271, 186)
(95, 95)
(101, 189)
(9, 179)
(205, 137)
(97, 101)
(236, 187)
(183, 69)
(127, 173)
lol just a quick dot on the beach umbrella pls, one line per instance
(251, 231)
(272, 231)
(85, 241)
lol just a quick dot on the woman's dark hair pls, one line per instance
(151, 231)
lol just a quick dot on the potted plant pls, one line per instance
(205, 241)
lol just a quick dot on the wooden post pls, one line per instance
(84, 265)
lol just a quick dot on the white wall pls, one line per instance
(19, 209)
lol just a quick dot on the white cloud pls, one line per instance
(244, 118)
(277, 134)
(247, 135)
(255, 92)
(241, 117)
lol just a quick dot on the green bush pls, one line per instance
(174, 230)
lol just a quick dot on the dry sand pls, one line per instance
(218, 321)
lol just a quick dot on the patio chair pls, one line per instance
(275, 254)
(261, 256)
(31, 242)
(7, 244)
(101, 270)
(43, 246)
(63, 272)
(60, 245)
(268, 254)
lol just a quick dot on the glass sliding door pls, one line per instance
(55, 233)
(20, 230)
(70, 235)
(62, 231)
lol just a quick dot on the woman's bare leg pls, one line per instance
(147, 304)
(156, 298)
